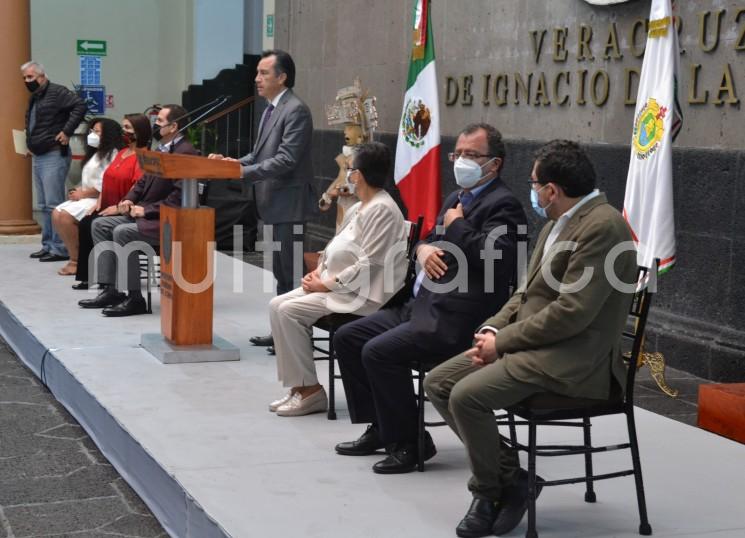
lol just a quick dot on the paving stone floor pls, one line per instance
(53, 480)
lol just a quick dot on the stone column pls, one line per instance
(15, 170)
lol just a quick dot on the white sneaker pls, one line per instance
(277, 403)
(297, 406)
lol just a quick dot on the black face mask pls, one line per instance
(32, 85)
(157, 136)
(128, 138)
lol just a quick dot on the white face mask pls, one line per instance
(468, 172)
(347, 151)
(350, 186)
(93, 139)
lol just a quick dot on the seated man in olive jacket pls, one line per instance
(559, 333)
(138, 220)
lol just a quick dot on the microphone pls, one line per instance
(213, 105)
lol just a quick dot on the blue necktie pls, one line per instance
(466, 198)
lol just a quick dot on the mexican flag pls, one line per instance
(648, 203)
(417, 170)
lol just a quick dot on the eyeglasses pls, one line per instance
(532, 182)
(454, 156)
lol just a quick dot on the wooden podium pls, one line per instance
(187, 240)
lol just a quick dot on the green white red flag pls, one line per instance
(417, 170)
(648, 203)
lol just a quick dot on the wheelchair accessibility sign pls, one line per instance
(94, 97)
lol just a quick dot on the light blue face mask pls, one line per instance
(540, 211)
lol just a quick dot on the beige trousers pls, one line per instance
(292, 316)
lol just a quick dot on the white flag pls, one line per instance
(648, 203)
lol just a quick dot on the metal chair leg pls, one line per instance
(513, 430)
(420, 432)
(331, 414)
(150, 276)
(532, 434)
(590, 496)
(645, 529)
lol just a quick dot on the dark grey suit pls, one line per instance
(280, 172)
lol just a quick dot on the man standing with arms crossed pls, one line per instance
(279, 168)
(53, 114)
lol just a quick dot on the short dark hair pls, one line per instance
(373, 160)
(142, 128)
(565, 163)
(493, 139)
(283, 64)
(177, 112)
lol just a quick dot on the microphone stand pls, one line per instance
(214, 104)
(190, 188)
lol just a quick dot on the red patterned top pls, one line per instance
(118, 178)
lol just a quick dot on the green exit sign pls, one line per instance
(91, 47)
(270, 25)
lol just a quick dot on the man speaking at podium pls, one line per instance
(279, 168)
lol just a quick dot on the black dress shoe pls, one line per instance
(262, 341)
(39, 254)
(271, 350)
(49, 257)
(108, 297)
(402, 457)
(479, 519)
(80, 286)
(514, 503)
(368, 443)
(131, 306)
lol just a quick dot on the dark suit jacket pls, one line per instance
(568, 341)
(279, 168)
(152, 191)
(450, 319)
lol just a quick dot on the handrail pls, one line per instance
(231, 108)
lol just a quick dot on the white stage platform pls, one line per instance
(197, 443)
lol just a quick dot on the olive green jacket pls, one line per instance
(563, 340)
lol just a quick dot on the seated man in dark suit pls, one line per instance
(559, 333)
(138, 220)
(454, 292)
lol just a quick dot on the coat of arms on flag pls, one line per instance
(649, 128)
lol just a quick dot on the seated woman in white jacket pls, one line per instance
(361, 268)
(102, 144)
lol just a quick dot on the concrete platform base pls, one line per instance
(197, 442)
(167, 353)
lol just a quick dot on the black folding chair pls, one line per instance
(419, 371)
(332, 322)
(150, 272)
(545, 409)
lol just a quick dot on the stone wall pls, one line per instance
(698, 320)
(497, 44)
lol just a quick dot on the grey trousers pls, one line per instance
(466, 396)
(292, 316)
(116, 247)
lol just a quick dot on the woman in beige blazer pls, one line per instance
(360, 269)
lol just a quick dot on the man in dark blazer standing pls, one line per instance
(279, 168)
(138, 220)
(463, 280)
(559, 333)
